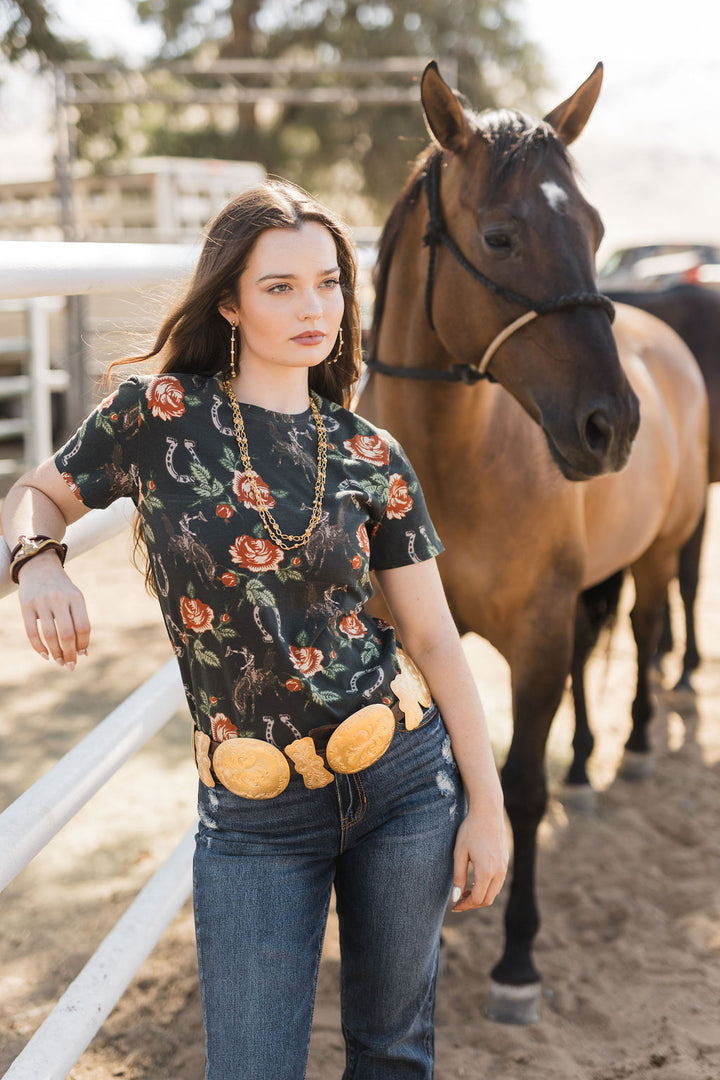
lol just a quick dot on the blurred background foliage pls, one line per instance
(354, 155)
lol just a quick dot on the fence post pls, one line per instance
(38, 441)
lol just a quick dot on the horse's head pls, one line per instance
(525, 238)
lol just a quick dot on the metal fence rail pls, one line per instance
(80, 1012)
(37, 815)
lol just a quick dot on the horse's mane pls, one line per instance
(510, 136)
(391, 231)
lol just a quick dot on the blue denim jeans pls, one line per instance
(263, 876)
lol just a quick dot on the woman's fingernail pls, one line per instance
(59, 660)
(456, 894)
(83, 652)
(70, 665)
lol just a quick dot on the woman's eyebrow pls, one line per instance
(322, 273)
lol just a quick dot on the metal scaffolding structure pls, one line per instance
(391, 81)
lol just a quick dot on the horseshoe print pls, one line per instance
(411, 545)
(161, 578)
(217, 402)
(285, 719)
(371, 689)
(269, 725)
(183, 478)
(258, 622)
(266, 636)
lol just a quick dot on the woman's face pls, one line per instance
(289, 305)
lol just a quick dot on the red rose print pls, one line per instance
(399, 498)
(352, 626)
(151, 485)
(224, 510)
(357, 562)
(363, 541)
(243, 490)
(229, 579)
(222, 727)
(307, 661)
(368, 448)
(72, 485)
(225, 618)
(165, 396)
(113, 416)
(293, 684)
(255, 554)
(196, 615)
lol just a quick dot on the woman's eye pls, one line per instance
(330, 283)
(280, 288)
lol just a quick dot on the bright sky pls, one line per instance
(651, 152)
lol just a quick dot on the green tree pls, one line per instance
(27, 28)
(341, 152)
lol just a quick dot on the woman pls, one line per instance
(323, 760)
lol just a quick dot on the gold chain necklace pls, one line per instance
(285, 541)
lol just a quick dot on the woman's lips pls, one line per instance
(313, 337)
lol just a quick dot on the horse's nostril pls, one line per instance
(598, 432)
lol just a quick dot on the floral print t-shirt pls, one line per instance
(270, 643)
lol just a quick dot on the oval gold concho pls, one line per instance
(361, 739)
(251, 768)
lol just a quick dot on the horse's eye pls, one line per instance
(498, 241)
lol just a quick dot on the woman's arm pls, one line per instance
(41, 503)
(425, 626)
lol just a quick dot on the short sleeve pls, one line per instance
(405, 534)
(99, 462)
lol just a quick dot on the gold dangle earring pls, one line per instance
(233, 362)
(338, 352)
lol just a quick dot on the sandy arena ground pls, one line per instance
(630, 897)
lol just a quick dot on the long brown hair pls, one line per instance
(195, 338)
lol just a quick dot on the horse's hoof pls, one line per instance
(637, 766)
(579, 798)
(513, 1004)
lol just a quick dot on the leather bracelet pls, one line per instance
(46, 544)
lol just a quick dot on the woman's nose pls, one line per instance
(310, 307)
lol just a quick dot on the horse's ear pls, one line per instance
(444, 115)
(571, 116)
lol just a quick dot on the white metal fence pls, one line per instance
(39, 814)
(31, 270)
(34, 276)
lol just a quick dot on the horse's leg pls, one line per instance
(667, 642)
(540, 663)
(652, 574)
(596, 608)
(688, 575)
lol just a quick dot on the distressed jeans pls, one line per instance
(263, 876)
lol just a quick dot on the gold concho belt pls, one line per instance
(255, 769)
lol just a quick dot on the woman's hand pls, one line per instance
(53, 606)
(482, 841)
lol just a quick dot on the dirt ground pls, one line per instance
(630, 897)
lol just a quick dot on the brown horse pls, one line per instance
(505, 403)
(693, 311)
